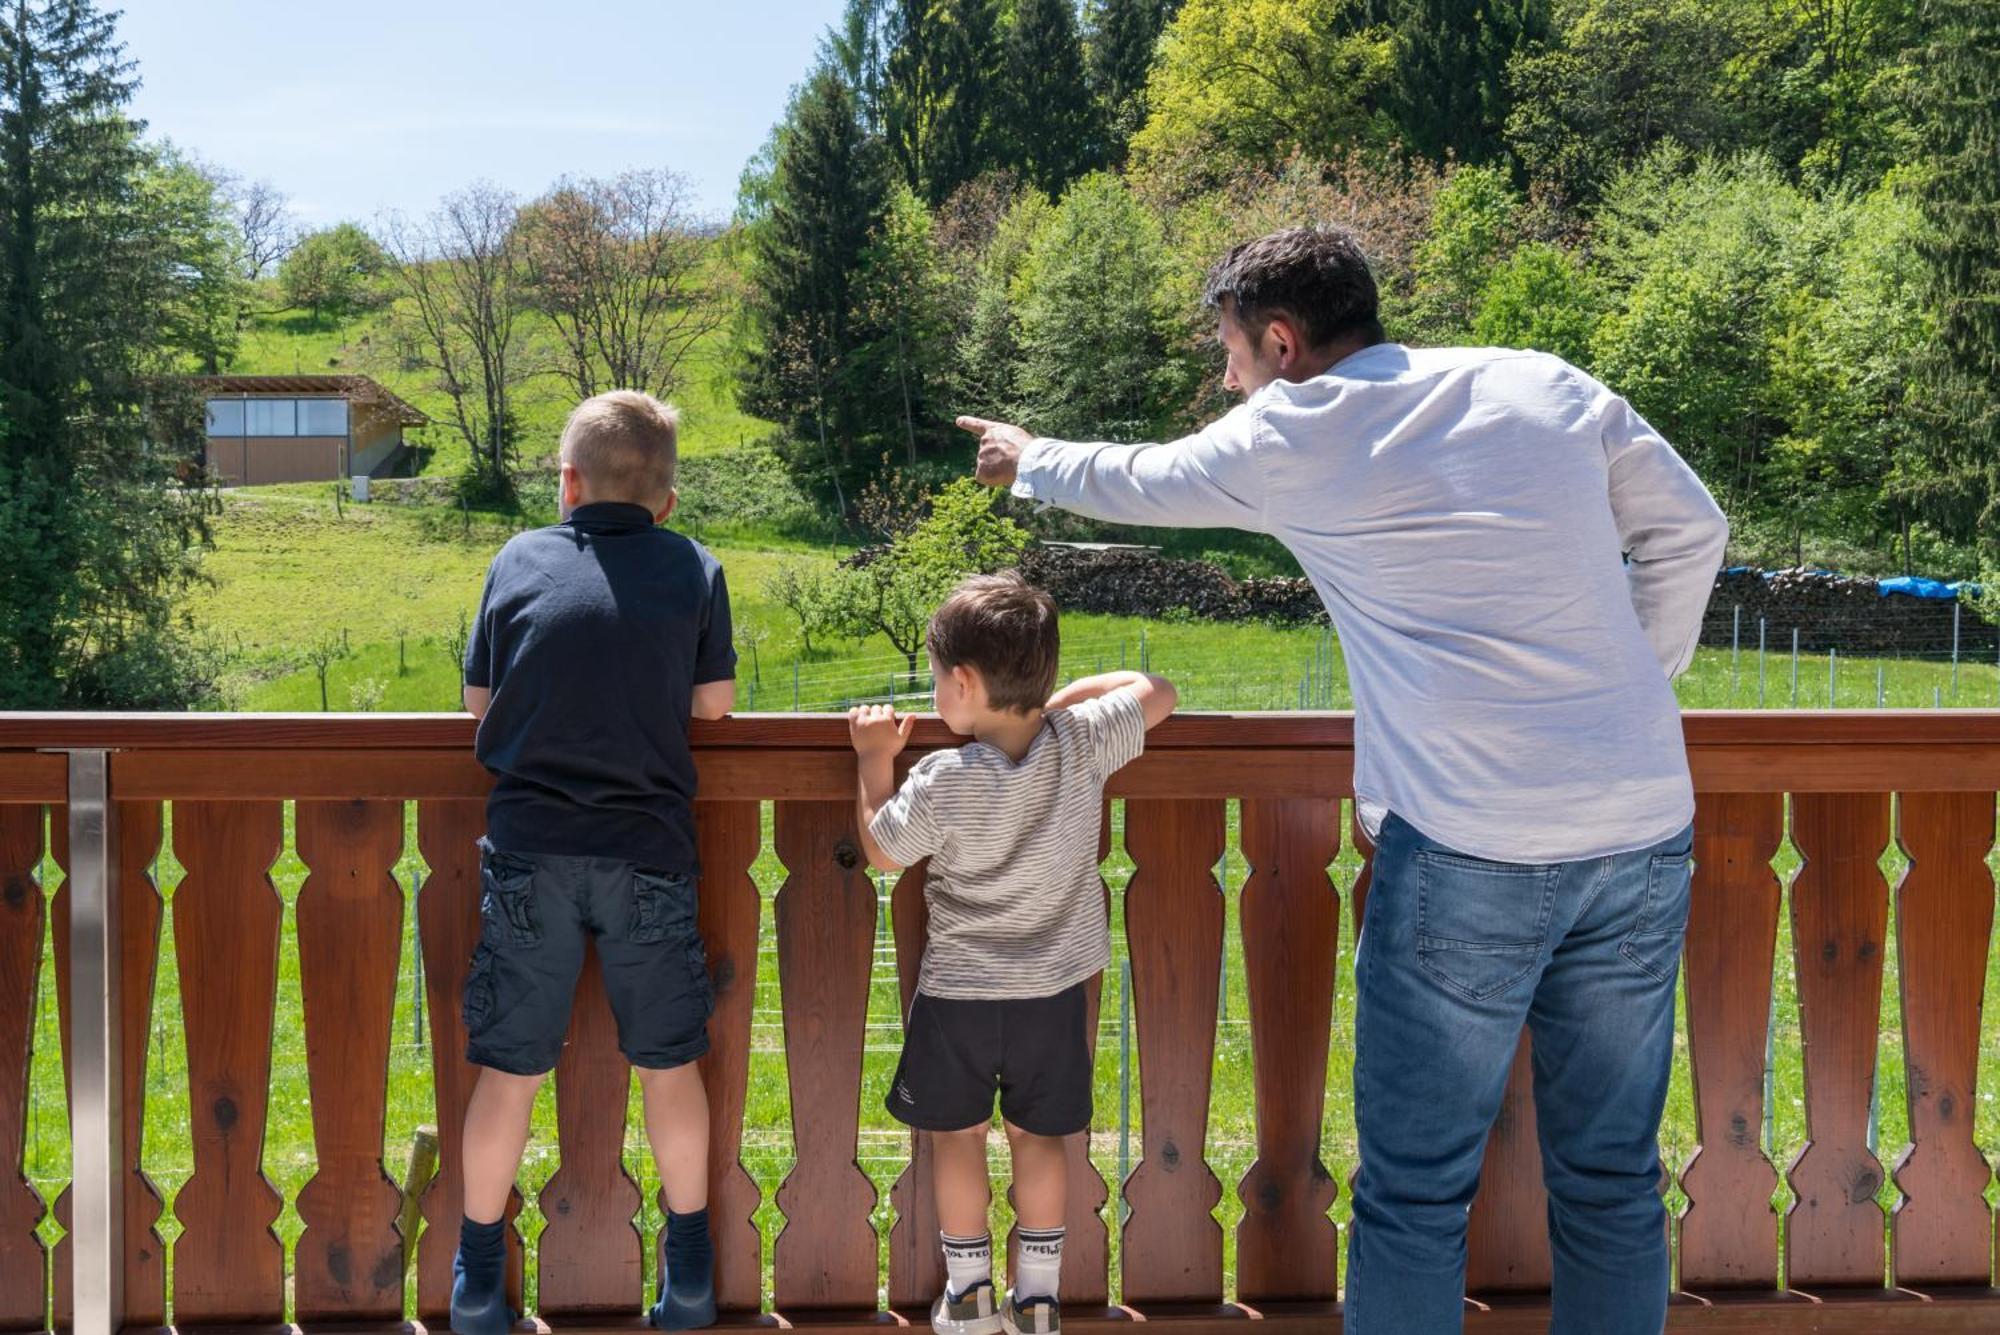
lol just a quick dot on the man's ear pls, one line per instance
(1282, 341)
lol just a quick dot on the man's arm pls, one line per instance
(1212, 479)
(1671, 529)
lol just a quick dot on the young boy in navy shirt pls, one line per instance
(597, 640)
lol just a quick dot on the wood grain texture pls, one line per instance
(728, 834)
(228, 1265)
(1729, 1229)
(448, 927)
(825, 1256)
(1286, 1244)
(1840, 908)
(348, 1263)
(916, 1265)
(140, 914)
(24, 1262)
(1942, 1229)
(588, 1258)
(1171, 1243)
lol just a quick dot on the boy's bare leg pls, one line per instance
(677, 1129)
(496, 1135)
(1041, 1196)
(964, 1195)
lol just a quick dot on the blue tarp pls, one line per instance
(1916, 586)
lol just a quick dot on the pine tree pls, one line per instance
(95, 540)
(1048, 122)
(1450, 89)
(962, 146)
(1953, 477)
(828, 197)
(911, 88)
(1123, 35)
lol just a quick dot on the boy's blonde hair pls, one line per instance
(626, 445)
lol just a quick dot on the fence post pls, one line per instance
(1795, 667)
(1833, 678)
(1956, 608)
(417, 957)
(1124, 1084)
(1760, 662)
(97, 1196)
(1735, 648)
(1880, 694)
(795, 686)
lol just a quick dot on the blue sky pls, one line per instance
(365, 106)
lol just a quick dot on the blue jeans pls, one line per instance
(1456, 953)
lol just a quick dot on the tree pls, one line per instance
(1471, 228)
(190, 215)
(1122, 37)
(1248, 82)
(96, 538)
(962, 143)
(989, 354)
(264, 221)
(1450, 86)
(1955, 481)
(1096, 353)
(894, 593)
(1047, 126)
(807, 592)
(621, 268)
(902, 303)
(332, 272)
(828, 196)
(1540, 297)
(464, 282)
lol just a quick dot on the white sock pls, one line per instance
(967, 1261)
(1038, 1267)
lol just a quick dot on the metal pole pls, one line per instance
(1833, 678)
(1735, 648)
(1760, 662)
(417, 960)
(1795, 667)
(1124, 1084)
(1880, 694)
(1956, 608)
(795, 687)
(97, 1198)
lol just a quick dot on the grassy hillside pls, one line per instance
(293, 343)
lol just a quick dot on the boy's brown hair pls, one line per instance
(626, 445)
(1003, 628)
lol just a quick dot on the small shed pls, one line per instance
(301, 428)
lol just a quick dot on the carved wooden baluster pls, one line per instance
(1729, 1230)
(916, 1265)
(825, 1256)
(1840, 909)
(1942, 1230)
(23, 1260)
(1285, 1246)
(728, 833)
(448, 926)
(589, 1258)
(228, 1265)
(1172, 1245)
(140, 915)
(349, 1260)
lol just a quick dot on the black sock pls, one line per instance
(483, 1251)
(689, 1250)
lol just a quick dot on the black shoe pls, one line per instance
(478, 1313)
(687, 1301)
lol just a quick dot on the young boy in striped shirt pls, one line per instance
(1010, 824)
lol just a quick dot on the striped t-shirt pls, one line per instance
(1016, 903)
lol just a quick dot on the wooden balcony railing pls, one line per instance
(1844, 786)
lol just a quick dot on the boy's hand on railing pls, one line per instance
(876, 731)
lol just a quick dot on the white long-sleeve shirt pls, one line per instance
(1463, 513)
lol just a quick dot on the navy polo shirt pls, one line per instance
(592, 636)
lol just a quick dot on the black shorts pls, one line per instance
(1034, 1053)
(534, 911)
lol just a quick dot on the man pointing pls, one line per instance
(1516, 565)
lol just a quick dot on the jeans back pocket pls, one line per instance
(1654, 943)
(1481, 925)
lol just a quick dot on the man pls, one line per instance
(1516, 564)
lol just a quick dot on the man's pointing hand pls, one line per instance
(1000, 447)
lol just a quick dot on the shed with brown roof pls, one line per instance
(301, 428)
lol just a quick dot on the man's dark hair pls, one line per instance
(1003, 628)
(1315, 276)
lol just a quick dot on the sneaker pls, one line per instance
(476, 1312)
(687, 1302)
(1031, 1316)
(968, 1313)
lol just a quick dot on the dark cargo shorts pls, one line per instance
(534, 911)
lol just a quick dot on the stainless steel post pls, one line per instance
(97, 1197)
